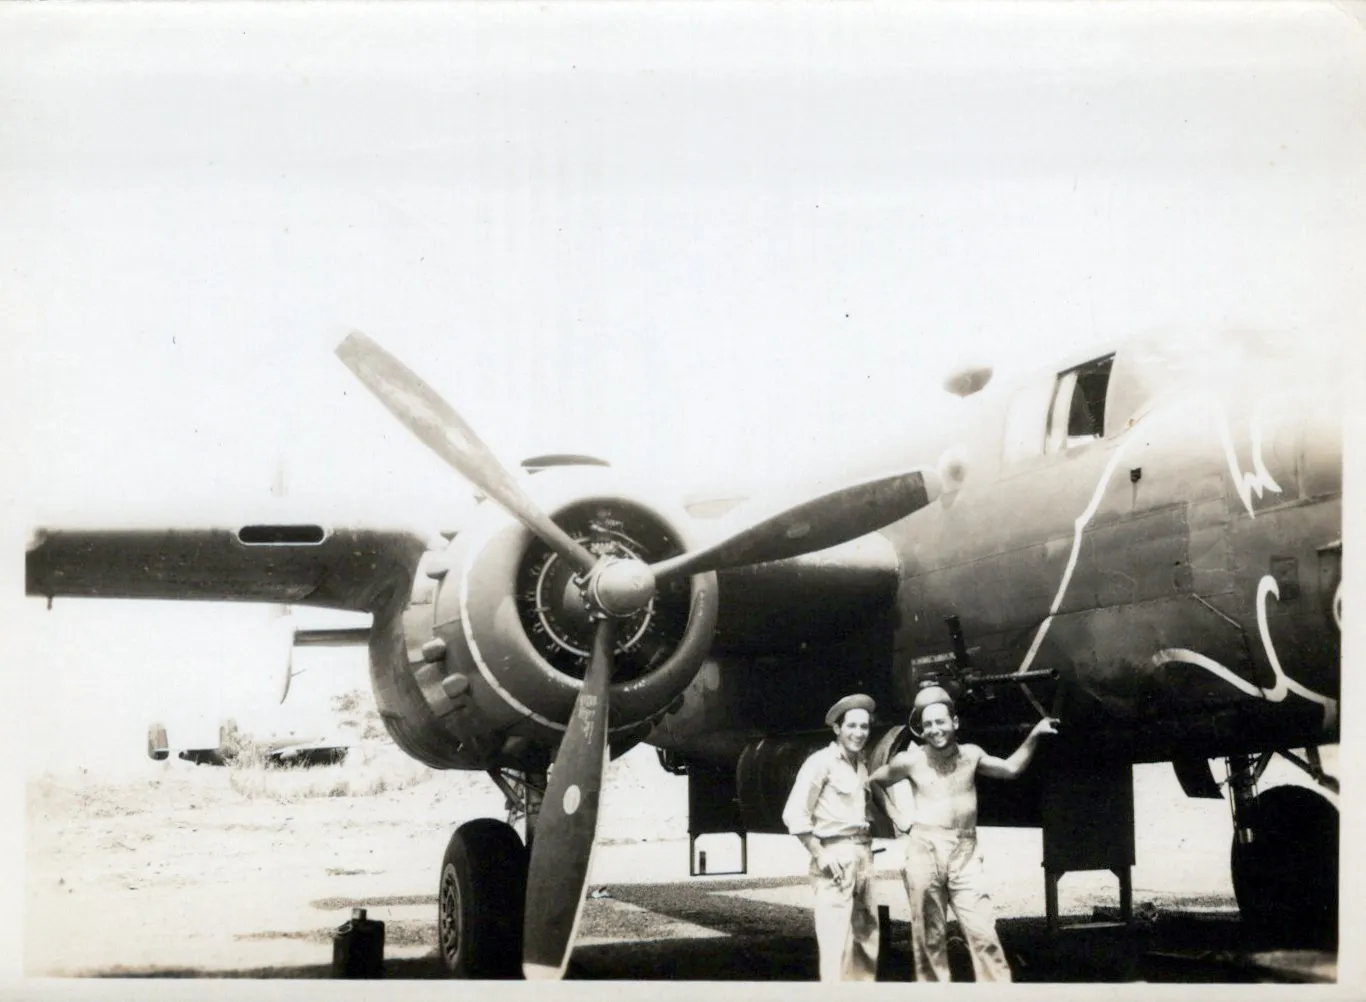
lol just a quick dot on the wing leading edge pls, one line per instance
(354, 569)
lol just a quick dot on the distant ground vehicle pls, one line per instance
(289, 749)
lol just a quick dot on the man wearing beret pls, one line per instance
(943, 866)
(828, 811)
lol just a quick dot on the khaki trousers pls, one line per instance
(943, 869)
(846, 917)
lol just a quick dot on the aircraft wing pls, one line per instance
(814, 598)
(351, 568)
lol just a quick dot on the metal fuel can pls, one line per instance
(358, 947)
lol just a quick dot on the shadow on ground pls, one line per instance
(1188, 941)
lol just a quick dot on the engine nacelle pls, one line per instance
(498, 639)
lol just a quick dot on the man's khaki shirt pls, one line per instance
(830, 797)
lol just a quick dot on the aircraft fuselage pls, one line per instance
(1163, 527)
(1181, 569)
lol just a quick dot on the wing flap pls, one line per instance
(354, 569)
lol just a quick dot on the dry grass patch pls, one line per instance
(369, 769)
(373, 766)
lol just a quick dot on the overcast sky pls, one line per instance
(714, 243)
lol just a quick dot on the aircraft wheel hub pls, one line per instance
(449, 921)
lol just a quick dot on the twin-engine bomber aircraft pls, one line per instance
(1145, 542)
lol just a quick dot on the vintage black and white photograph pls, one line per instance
(728, 493)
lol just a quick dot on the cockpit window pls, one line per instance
(1078, 412)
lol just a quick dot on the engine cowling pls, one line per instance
(499, 646)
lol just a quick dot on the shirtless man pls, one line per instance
(943, 866)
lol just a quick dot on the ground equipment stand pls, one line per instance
(1088, 824)
(713, 809)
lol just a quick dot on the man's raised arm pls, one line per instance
(1009, 768)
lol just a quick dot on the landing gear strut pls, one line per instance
(524, 792)
(482, 893)
(1284, 859)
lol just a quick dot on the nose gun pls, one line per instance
(1037, 675)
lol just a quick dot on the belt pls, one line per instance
(856, 839)
(941, 830)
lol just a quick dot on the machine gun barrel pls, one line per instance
(974, 681)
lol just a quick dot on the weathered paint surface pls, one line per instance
(1170, 568)
(1181, 571)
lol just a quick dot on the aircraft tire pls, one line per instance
(480, 901)
(1286, 878)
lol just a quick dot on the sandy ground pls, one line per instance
(177, 872)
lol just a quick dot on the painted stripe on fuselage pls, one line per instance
(1078, 526)
(1259, 480)
(1246, 484)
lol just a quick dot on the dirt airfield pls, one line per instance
(185, 871)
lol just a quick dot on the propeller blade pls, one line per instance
(562, 850)
(832, 518)
(441, 429)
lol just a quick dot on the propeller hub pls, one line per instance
(622, 587)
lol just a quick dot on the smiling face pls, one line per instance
(852, 731)
(939, 726)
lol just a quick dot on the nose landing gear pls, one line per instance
(481, 898)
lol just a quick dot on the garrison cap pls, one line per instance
(858, 701)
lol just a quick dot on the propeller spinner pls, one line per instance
(612, 588)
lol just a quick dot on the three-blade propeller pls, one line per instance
(613, 588)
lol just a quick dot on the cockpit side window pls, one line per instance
(1078, 412)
